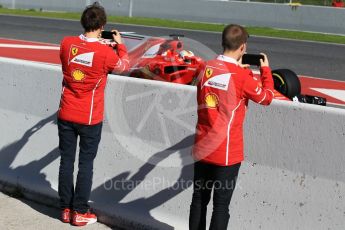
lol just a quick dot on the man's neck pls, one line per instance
(231, 54)
(92, 34)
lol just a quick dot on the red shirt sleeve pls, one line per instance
(259, 90)
(117, 62)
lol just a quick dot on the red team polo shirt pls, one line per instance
(86, 63)
(223, 93)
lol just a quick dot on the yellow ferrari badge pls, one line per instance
(209, 72)
(74, 51)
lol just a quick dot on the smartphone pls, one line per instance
(252, 59)
(108, 34)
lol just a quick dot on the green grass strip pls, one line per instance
(259, 31)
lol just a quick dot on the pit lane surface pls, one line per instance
(296, 55)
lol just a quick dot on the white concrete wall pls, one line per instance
(293, 176)
(306, 18)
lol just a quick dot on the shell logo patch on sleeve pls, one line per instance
(81, 56)
(211, 100)
(78, 75)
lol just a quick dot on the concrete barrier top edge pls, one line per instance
(313, 108)
(124, 79)
(111, 77)
(30, 63)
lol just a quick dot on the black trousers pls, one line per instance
(90, 135)
(220, 179)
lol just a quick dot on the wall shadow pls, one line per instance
(143, 206)
(31, 172)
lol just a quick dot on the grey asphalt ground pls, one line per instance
(17, 214)
(321, 60)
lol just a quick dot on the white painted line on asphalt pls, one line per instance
(21, 40)
(295, 40)
(335, 93)
(18, 46)
(325, 79)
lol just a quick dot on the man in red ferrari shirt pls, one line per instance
(223, 92)
(86, 62)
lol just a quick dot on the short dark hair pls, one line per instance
(233, 37)
(93, 17)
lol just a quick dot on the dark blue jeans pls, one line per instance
(220, 179)
(90, 135)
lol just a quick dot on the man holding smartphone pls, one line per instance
(223, 92)
(86, 62)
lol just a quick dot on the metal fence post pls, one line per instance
(130, 13)
(13, 4)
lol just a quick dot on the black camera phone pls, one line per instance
(252, 59)
(108, 34)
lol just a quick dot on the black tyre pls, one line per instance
(286, 82)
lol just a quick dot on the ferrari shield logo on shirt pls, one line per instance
(209, 72)
(74, 51)
(219, 82)
(211, 101)
(78, 75)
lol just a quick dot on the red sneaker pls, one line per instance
(80, 219)
(66, 215)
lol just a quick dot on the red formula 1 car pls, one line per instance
(162, 59)
(166, 59)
